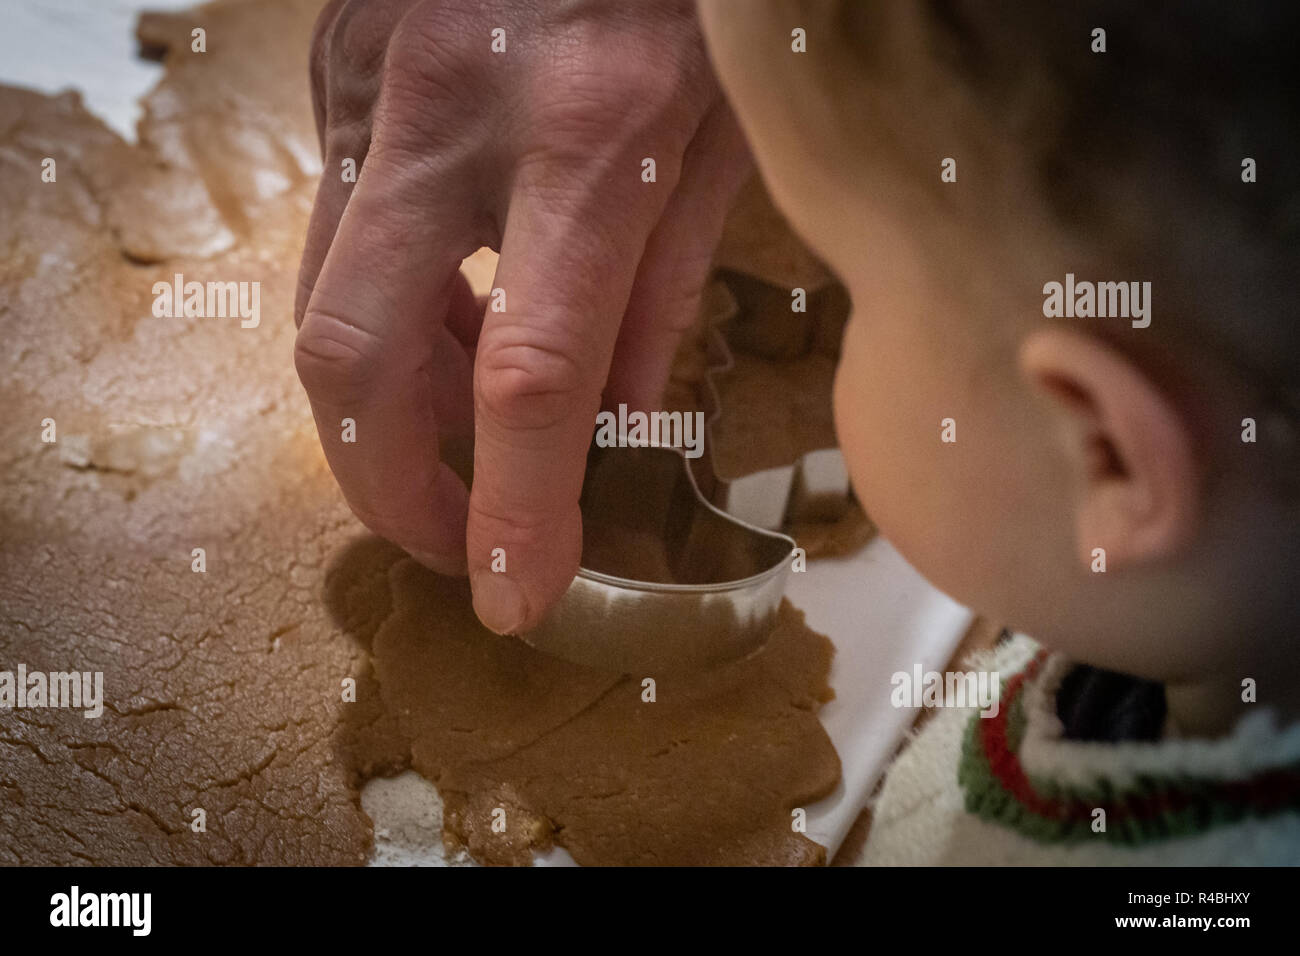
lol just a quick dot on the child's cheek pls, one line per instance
(859, 423)
(880, 402)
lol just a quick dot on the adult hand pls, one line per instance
(535, 148)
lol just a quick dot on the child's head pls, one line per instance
(1072, 433)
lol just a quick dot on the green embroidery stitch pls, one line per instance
(1149, 810)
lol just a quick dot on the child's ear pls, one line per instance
(1132, 451)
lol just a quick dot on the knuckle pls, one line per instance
(409, 48)
(358, 39)
(336, 361)
(510, 525)
(428, 65)
(524, 383)
(640, 92)
(319, 52)
(586, 133)
(353, 49)
(588, 108)
(655, 93)
(430, 110)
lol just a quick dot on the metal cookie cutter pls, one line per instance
(667, 581)
(815, 485)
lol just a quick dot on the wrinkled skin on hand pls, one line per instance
(537, 152)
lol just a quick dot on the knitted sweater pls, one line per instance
(1011, 789)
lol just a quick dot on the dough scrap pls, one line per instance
(773, 379)
(833, 537)
(773, 413)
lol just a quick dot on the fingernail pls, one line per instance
(498, 602)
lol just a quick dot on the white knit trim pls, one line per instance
(1255, 744)
(944, 834)
(1008, 658)
(920, 817)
